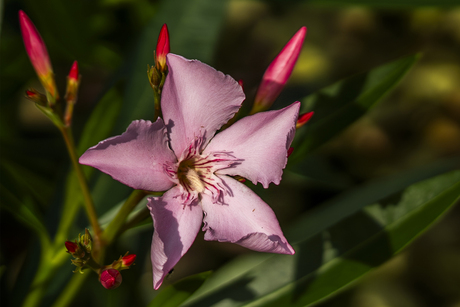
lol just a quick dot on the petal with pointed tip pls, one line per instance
(244, 219)
(261, 142)
(176, 227)
(196, 99)
(135, 158)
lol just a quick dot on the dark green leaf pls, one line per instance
(102, 120)
(24, 212)
(335, 258)
(178, 292)
(339, 105)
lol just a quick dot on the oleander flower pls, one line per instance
(182, 155)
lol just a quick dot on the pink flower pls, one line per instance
(38, 55)
(110, 278)
(278, 72)
(182, 154)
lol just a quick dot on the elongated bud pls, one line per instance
(38, 55)
(71, 247)
(36, 97)
(110, 278)
(278, 72)
(290, 151)
(128, 260)
(162, 49)
(73, 82)
(303, 119)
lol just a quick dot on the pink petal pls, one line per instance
(136, 157)
(176, 227)
(244, 219)
(261, 141)
(196, 99)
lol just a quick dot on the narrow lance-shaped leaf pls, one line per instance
(335, 258)
(177, 293)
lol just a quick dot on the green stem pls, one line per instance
(115, 225)
(138, 218)
(70, 209)
(157, 100)
(89, 205)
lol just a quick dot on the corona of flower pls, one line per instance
(182, 155)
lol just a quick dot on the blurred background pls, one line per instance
(416, 124)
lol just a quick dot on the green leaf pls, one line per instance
(178, 292)
(339, 105)
(335, 258)
(102, 120)
(24, 212)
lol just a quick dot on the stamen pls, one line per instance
(194, 173)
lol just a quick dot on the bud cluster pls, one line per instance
(49, 103)
(109, 275)
(80, 249)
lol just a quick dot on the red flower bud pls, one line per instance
(303, 119)
(128, 260)
(73, 75)
(162, 48)
(71, 246)
(290, 151)
(110, 278)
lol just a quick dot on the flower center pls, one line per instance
(195, 173)
(190, 175)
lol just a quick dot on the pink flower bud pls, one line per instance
(162, 48)
(290, 151)
(303, 119)
(71, 246)
(128, 260)
(110, 278)
(38, 55)
(278, 72)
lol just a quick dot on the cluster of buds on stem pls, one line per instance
(109, 275)
(49, 103)
(81, 249)
(157, 74)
